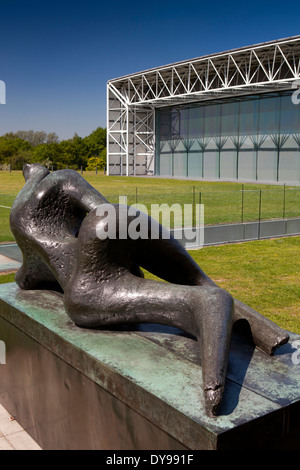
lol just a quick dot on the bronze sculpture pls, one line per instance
(56, 223)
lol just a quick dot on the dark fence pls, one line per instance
(227, 207)
(219, 207)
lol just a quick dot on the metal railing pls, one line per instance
(229, 206)
(220, 207)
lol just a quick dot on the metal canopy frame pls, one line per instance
(132, 99)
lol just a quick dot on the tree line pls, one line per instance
(18, 148)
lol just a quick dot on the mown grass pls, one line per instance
(4, 278)
(263, 274)
(223, 202)
(11, 183)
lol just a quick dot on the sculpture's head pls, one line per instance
(34, 170)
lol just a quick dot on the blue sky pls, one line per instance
(56, 56)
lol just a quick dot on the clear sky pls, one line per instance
(56, 56)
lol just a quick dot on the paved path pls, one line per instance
(10, 257)
(12, 435)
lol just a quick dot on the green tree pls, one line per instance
(38, 146)
(19, 159)
(96, 142)
(33, 137)
(47, 154)
(96, 162)
(6, 151)
(73, 152)
(11, 146)
(52, 138)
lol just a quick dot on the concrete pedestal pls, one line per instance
(137, 387)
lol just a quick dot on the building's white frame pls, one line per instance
(132, 99)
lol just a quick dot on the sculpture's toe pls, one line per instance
(266, 335)
(213, 397)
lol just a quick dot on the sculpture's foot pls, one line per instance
(34, 274)
(213, 398)
(266, 335)
(215, 328)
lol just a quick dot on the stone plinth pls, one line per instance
(137, 387)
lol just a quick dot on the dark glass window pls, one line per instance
(251, 137)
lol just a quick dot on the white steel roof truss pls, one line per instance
(130, 82)
(269, 66)
(217, 72)
(285, 57)
(149, 89)
(238, 69)
(117, 93)
(260, 61)
(164, 85)
(197, 78)
(180, 82)
(296, 66)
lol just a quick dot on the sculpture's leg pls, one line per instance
(175, 265)
(119, 297)
(103, 291)
(34, 273)
(266, 335)
(167, 259)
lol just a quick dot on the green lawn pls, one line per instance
(223, 202)
(263, 274)
(7, 278)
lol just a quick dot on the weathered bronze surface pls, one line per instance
(54, 220)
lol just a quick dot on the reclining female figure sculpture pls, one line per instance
(55, 220)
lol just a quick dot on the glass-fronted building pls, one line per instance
(253, 138)
(229, 116)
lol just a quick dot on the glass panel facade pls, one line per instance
(255, 138)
